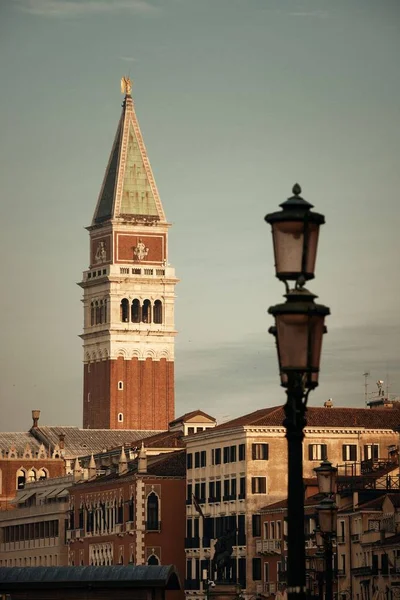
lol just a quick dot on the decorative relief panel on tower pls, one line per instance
(100, 250)
(140, 251)
(134, 248)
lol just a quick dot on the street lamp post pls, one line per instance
(327, 511)
(299, 327)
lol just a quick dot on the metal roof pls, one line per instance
(134, 576)
(19, 439)
(80, 442)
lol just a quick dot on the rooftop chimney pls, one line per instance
(328, 403)
(122, 463)
(92, 471)
(142, 460)
(61, 441)
(35, 417)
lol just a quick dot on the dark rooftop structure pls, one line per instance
(116, 582)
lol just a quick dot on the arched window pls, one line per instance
(101, 312)
(97, 307)
(32, 475)
(157, 315)
(81, 517)
(92, 313)
(120, 418)
(124, 311)
(131, 516)
(153, 560)
(146, 312)
(135, 311)
(42, 474)
(152, 512)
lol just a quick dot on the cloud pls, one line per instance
(240, 377)
(318, 14)
(76, 8)
(128, 58)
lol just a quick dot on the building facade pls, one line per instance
(24, 459)
(239, 467)
(128, 294)
(134, 516)
(33, 533)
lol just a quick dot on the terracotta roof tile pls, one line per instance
(318, 416)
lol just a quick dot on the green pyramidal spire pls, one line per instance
(129, 191)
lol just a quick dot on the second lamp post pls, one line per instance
(299, 327)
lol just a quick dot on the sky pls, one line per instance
(237, 100)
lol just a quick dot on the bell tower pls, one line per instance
(128, 293)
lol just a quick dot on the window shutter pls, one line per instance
(266, 451)
(253, 485)
(324, 451)
(254, 451)
(353, 452)
(310, 452)
(343, 452)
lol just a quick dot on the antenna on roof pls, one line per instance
(366, 375)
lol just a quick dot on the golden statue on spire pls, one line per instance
(126, 86)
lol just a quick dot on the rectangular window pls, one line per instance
(241, 535)
(266, 572)
(226, 489)
(197, 490)
(211, 491)
(256, 569)
(258, 485)
(218, 491)
(342, 563)
(266, 530)
(232, 454)
(202, 492)
(256, 525)
(259, 451)
(226, 454)
(317, 452)
(385, 564)
(189, 493)
(371, 452)
(203, 458)
(242, 488)
(189, 568)
(279, 530)
(349, 452)
(217, 456)
(242, 572)
(189, 528)
(233, 489)
(242, 451)
(341, 536)
(189, 461)
(197, 460)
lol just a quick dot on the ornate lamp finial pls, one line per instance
(126, 86)
(296, 189)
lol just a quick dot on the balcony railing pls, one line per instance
(153, 525)
(192, 542)
(268, 546)
(269, 587)
(364, 571)
(192, 584)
